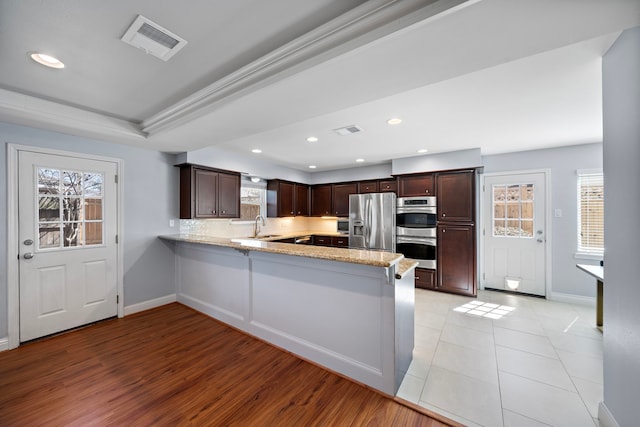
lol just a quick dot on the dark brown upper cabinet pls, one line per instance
(287, 199)
(416, 185)
(302, 200)
(456, 196)
(321, 200)
(208, 193)
(371, 186)
(341, 193)
(388, 185)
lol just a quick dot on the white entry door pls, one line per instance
(67, 232)
(514, 232)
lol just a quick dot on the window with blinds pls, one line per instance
(590, 213)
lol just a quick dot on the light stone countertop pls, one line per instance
(405, 266)
(355, 256)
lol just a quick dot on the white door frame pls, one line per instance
(13, 243)
(548, 218)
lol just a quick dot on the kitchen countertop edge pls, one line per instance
(354, 256)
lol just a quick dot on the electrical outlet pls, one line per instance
(557, 213)
(172, 223)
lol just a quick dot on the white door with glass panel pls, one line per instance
(67, 231)
(514, 233)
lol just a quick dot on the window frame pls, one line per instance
(593, 177)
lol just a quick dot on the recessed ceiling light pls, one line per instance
(359, 160)
(312, 166)
(46, 60)
(422, 150)
(312, 139)
(256, 150)
(394, 121)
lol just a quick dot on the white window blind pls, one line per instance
(590, 213)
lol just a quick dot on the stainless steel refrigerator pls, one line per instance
(372, 221)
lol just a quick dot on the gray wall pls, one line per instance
(563, 163)
(621, 112)
(150, 185)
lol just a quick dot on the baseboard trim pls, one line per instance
(605, 417)
(573, 299)
(4, 344)
(147, 305)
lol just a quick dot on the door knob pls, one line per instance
(28, 255)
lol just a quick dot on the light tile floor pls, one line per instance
(539, 365)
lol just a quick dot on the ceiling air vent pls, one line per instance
(153, 39)
(348, 130)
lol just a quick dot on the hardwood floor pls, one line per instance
(175, 366)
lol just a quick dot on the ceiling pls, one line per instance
(501, 75)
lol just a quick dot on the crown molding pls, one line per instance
(362, 25)
(27, 110)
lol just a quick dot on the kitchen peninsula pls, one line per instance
(348, 310)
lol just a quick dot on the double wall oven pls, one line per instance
(416, 219)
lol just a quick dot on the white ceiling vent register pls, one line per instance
(348, 130)
(153, 39)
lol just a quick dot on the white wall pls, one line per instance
(437, 162)
(150, 200)
(563, 163)
(621, 112)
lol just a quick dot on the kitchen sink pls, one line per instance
(268, 236)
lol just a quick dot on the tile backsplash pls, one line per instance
(234, 228)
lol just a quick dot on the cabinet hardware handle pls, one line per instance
(444, 214)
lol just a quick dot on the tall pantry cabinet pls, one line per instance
(456, 252)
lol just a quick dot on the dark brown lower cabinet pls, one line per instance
(335, 241)
(340, 241)
(425, 278)
(457, 259)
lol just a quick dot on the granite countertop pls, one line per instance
(355, 256)
(405, 266)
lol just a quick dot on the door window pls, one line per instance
(70, 208)
(513, 210)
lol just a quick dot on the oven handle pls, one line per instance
(430, 241)
(416, 209)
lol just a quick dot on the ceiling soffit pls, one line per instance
(357, 27)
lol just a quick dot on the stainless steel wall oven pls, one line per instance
(416, 216)
(416, 220)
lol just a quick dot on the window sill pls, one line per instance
(591, 256)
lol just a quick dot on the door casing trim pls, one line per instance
(13, 244)
(547, 219)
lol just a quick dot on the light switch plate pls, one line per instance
(172, 223)
(557, 213)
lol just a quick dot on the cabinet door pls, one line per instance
(415, 185)
(228, 195)
(456, 201)
(206, 189)
(457, 259)
(285, 199)
(340, 241)
(341, 193)
(368, 187)
(322, 240)
(425, 278)
(388, 185)
(302, 200)
(321, 200)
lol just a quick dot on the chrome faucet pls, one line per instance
(256, 227)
